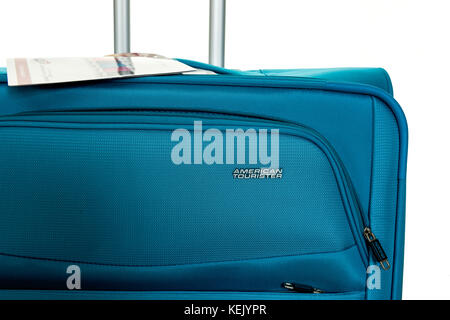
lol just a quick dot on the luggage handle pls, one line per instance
(216, 29)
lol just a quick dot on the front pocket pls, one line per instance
(107, 196)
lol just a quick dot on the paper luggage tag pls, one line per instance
(23, 72)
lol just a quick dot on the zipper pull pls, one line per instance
(300, 288)
(377, 249)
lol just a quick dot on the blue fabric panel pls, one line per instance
(144, 210)
(377, 77)
(170, 223)
(399, 242)
(383, 203)
(340, 118)
(319, 270)
(167, 295)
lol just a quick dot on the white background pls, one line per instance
(410, 38)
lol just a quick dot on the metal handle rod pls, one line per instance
(216, 29)
(217, 32)
(121, 26)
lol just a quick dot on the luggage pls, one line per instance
(267, 184)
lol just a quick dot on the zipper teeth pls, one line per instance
(349, 194)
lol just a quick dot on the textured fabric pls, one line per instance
(373, 76)
(383, 205)
(115, 197)
(265, 275)
(105, 194)
(377, 77)
(340, 118)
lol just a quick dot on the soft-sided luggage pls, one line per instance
(267, 184)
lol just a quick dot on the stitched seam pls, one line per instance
(171, 265)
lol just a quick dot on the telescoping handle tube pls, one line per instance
(217, 32)
(216, 29)
(121, 26)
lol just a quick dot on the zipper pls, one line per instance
(377, 249)
(300, 288)
(364, 235)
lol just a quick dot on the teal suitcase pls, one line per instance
(264, 184)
